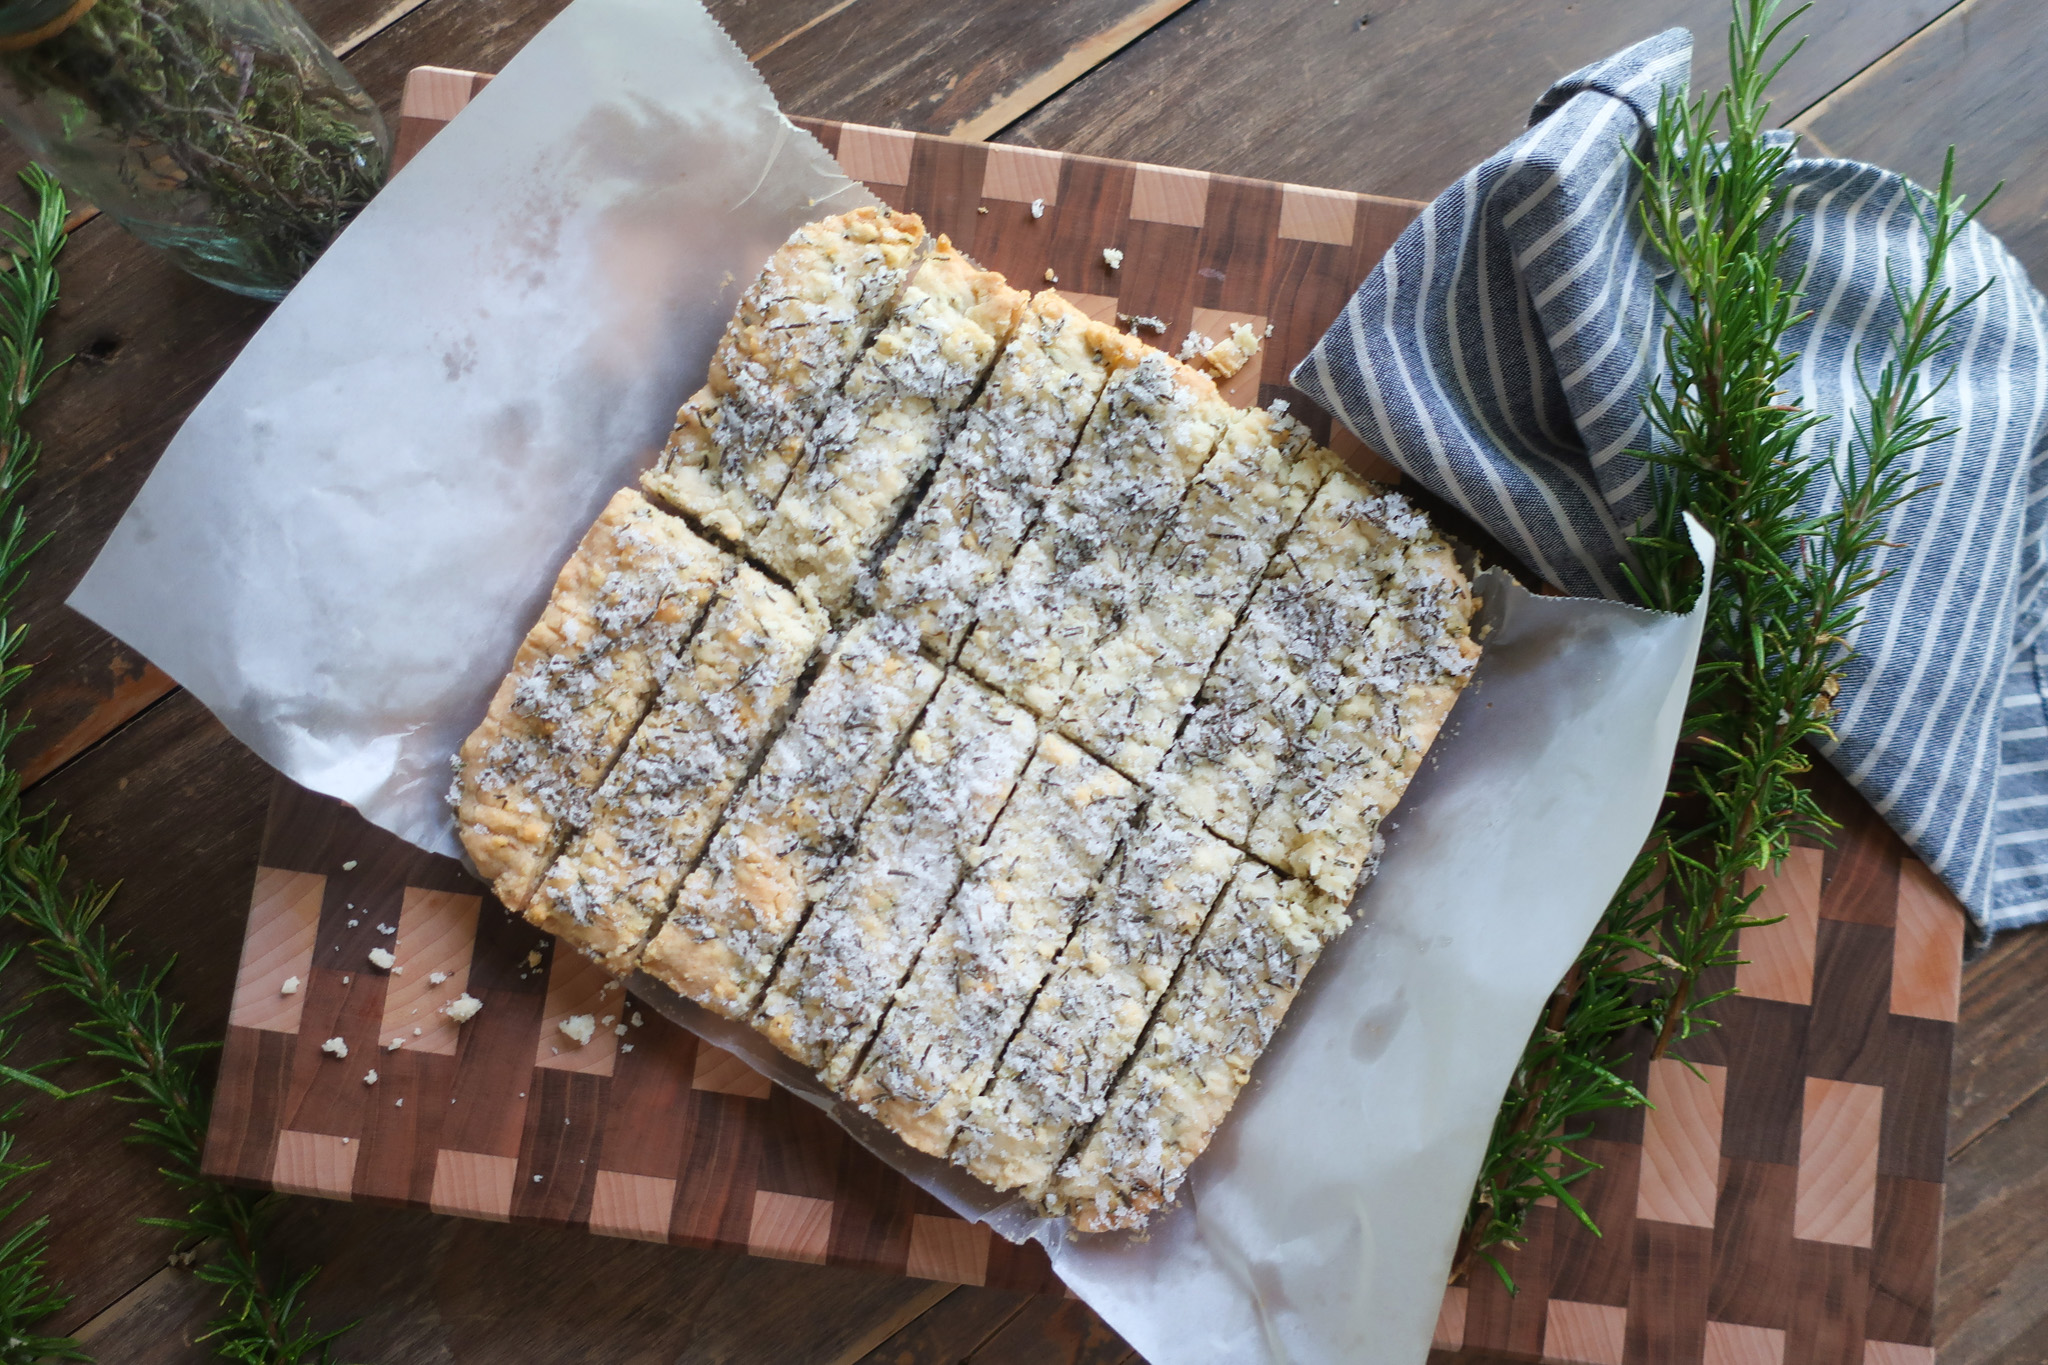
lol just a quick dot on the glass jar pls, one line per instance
(221, 131)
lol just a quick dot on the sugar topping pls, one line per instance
(888, 426)
(655, 811)
(994, 945)
(622, 609)
(991, 486)
(1214, 1022)
(797, 332)
(1076, 579)
(948, 785)
(1055, 1076)
(794, 821)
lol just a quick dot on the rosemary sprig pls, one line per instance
(127, 1019)
(27, 1296)
(1796, 539)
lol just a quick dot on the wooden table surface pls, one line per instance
(1385, 96)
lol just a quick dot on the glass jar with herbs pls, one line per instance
(221, 131)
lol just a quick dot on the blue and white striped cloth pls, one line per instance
(1500, 355)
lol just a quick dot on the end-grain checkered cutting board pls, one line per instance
(1787, 1210)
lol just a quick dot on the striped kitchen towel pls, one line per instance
(1500, 355)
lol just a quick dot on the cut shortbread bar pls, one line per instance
(654, 812)
(943, 1034)
(1363, 599)
(786, 831)
(943, 794)
(1217, 1018)
(622, 608)
(991, 486)
(798, 331)
(890, 424)
(1056, 1073)
(1073, 581)
(1367, 586)
(1129, 702)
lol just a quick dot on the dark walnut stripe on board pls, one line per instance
(1028, 53)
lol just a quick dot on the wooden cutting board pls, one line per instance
(1787, 1210)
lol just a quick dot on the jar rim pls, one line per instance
(24, 23)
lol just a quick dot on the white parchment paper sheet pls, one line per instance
(344, 545)
(1320, 1225)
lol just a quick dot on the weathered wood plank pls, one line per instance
(1994, 1262)
(951, 1330)
(183, 894)
(1972, 80)
(964, 70)
(434, 1291)
(1053, 1332)
(1301, 90)
(2001, 1057)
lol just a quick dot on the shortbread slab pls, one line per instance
(946, 789)
(621, 610)
(1362, 573)
(944, 1032)
(1378, 598)
(795, 819)
(990, 488)
(1056, 1074)
(1232, 993)
(798, 331)
(884, 432)
(1130, 699)
(652, 816)
(1074, 580)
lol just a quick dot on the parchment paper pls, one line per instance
(342, 548)
(1320, 1225)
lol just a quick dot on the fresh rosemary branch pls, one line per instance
(28, 291)
(26, 1295)
(1796, 539)
(127, 1020)
(1797, 536)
